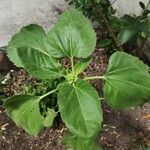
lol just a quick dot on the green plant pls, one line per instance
(130, 30)
(127, 81)
(3, 81)
(134, 29)
(145, 148)
(41, 87)
(102, 12)
(86, 6)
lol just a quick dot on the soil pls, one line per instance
(5, 64)
(122, 130)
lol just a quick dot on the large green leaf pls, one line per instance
(77, 103)
(39, 64)
(32, 36)
(121, 60)
(72, 35)
(75, 143)
(24, 111)
(127, 81)
(27, 49)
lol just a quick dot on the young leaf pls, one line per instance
(32, 36)
(81, 66)
(127, 81)
(77, 107)
(142, 5)
(72, 36)
(39, 64)
(75, 143)
(24, 111)
(125, 36)
(27, 49)
(51, 114)
(130, 27)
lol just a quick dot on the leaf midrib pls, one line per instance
(28, 45)
(122, 91)
(80, 108)
(37, 39)
(47, 55)
(128, 64)
(69, 96)
(137, 85)
(121, 69)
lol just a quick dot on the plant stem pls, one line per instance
(103, 98)
(149, 69)
(48, 93)
(113, 35)
(147, 5)
(72, 64)
(95, 77)
(113, 2)
(141, 47)
(145, 9)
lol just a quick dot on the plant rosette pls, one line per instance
(127, 81)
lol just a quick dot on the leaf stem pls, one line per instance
(48, 93)
(147, 6)
(103, 98)
(72, 64)
(95, 77)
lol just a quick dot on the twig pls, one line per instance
(113, 2)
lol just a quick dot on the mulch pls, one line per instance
(121, 130)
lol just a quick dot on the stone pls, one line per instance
(17, 13)
(14, 14)
(131, 7)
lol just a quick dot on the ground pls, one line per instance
(122, 130)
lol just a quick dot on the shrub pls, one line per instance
(127, 81)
